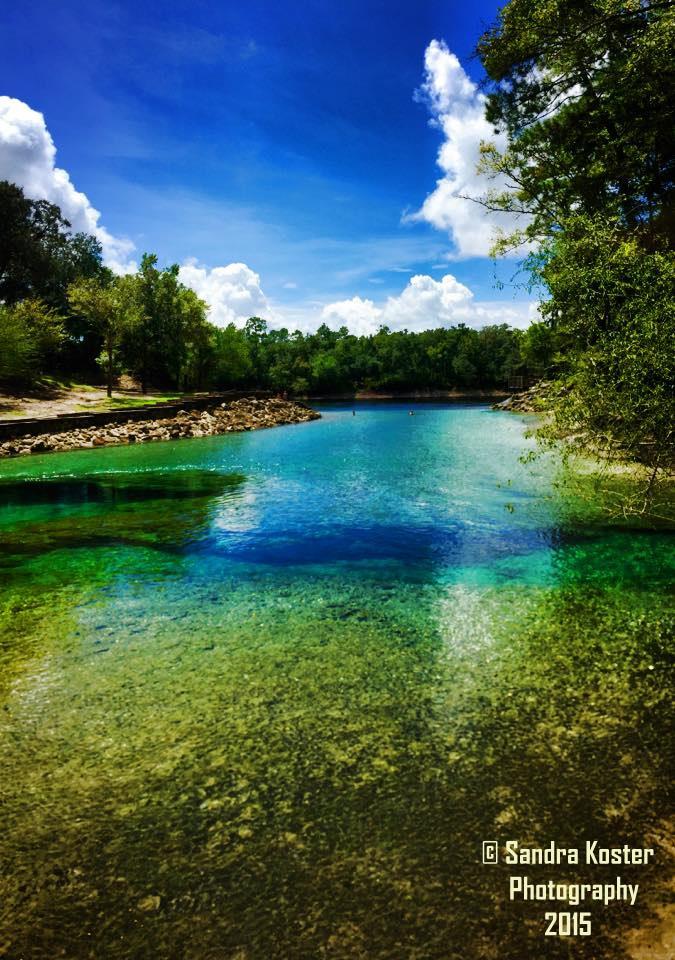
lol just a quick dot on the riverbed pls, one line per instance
(264, 695)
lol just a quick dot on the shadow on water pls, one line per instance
(161, 511)
(414, 543)
(120, 488)
(173, 511)
(177, 513)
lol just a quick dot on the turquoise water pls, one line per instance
(264, 695)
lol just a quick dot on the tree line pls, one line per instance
(64, 314)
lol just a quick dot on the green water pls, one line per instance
(262, 696)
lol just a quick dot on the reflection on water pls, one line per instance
(296, 677)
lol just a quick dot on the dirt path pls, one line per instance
(56, 400)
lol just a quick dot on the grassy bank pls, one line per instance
(53, 398)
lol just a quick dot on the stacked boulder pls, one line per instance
(246, 414)
(529, 401)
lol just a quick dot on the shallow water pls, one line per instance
(264, 695)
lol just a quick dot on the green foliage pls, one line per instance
(169, 343)
(197, 335)
(538, 348)
(108, 306)
(583, 94)
(39, 257)
(230, 357)
(154, 351)
(613, 303)
(30, 333)
(331, 362)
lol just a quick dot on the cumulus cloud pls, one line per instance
(27, 158)
(424, 304)
(458, 109)
(360, 316)
(233, 293)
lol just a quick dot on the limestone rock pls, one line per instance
(238, 415)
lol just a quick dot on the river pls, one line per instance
(263, 696)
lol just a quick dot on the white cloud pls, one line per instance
(458, 109)
(425, 304)
(233, 293)
(361, 317)
(27, 158)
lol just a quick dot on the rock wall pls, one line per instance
(529, 401)
(63, 422)
(238, 415)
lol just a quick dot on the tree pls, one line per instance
(30, 333)
(231, 358)
(196, 353)
(255, 331)
(583, 92)
(39, 256)
(170, 342)
(614, 303)
(154, 348)
(538, 349)
(108, 307)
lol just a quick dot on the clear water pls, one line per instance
(262, 696)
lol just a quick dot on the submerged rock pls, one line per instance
(149, 904)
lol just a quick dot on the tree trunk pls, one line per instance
(110, 368)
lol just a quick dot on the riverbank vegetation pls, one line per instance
(583, 93)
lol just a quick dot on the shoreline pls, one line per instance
(417, 395)
(236, 416)
(195, 416)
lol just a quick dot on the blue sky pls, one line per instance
(286, 137)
